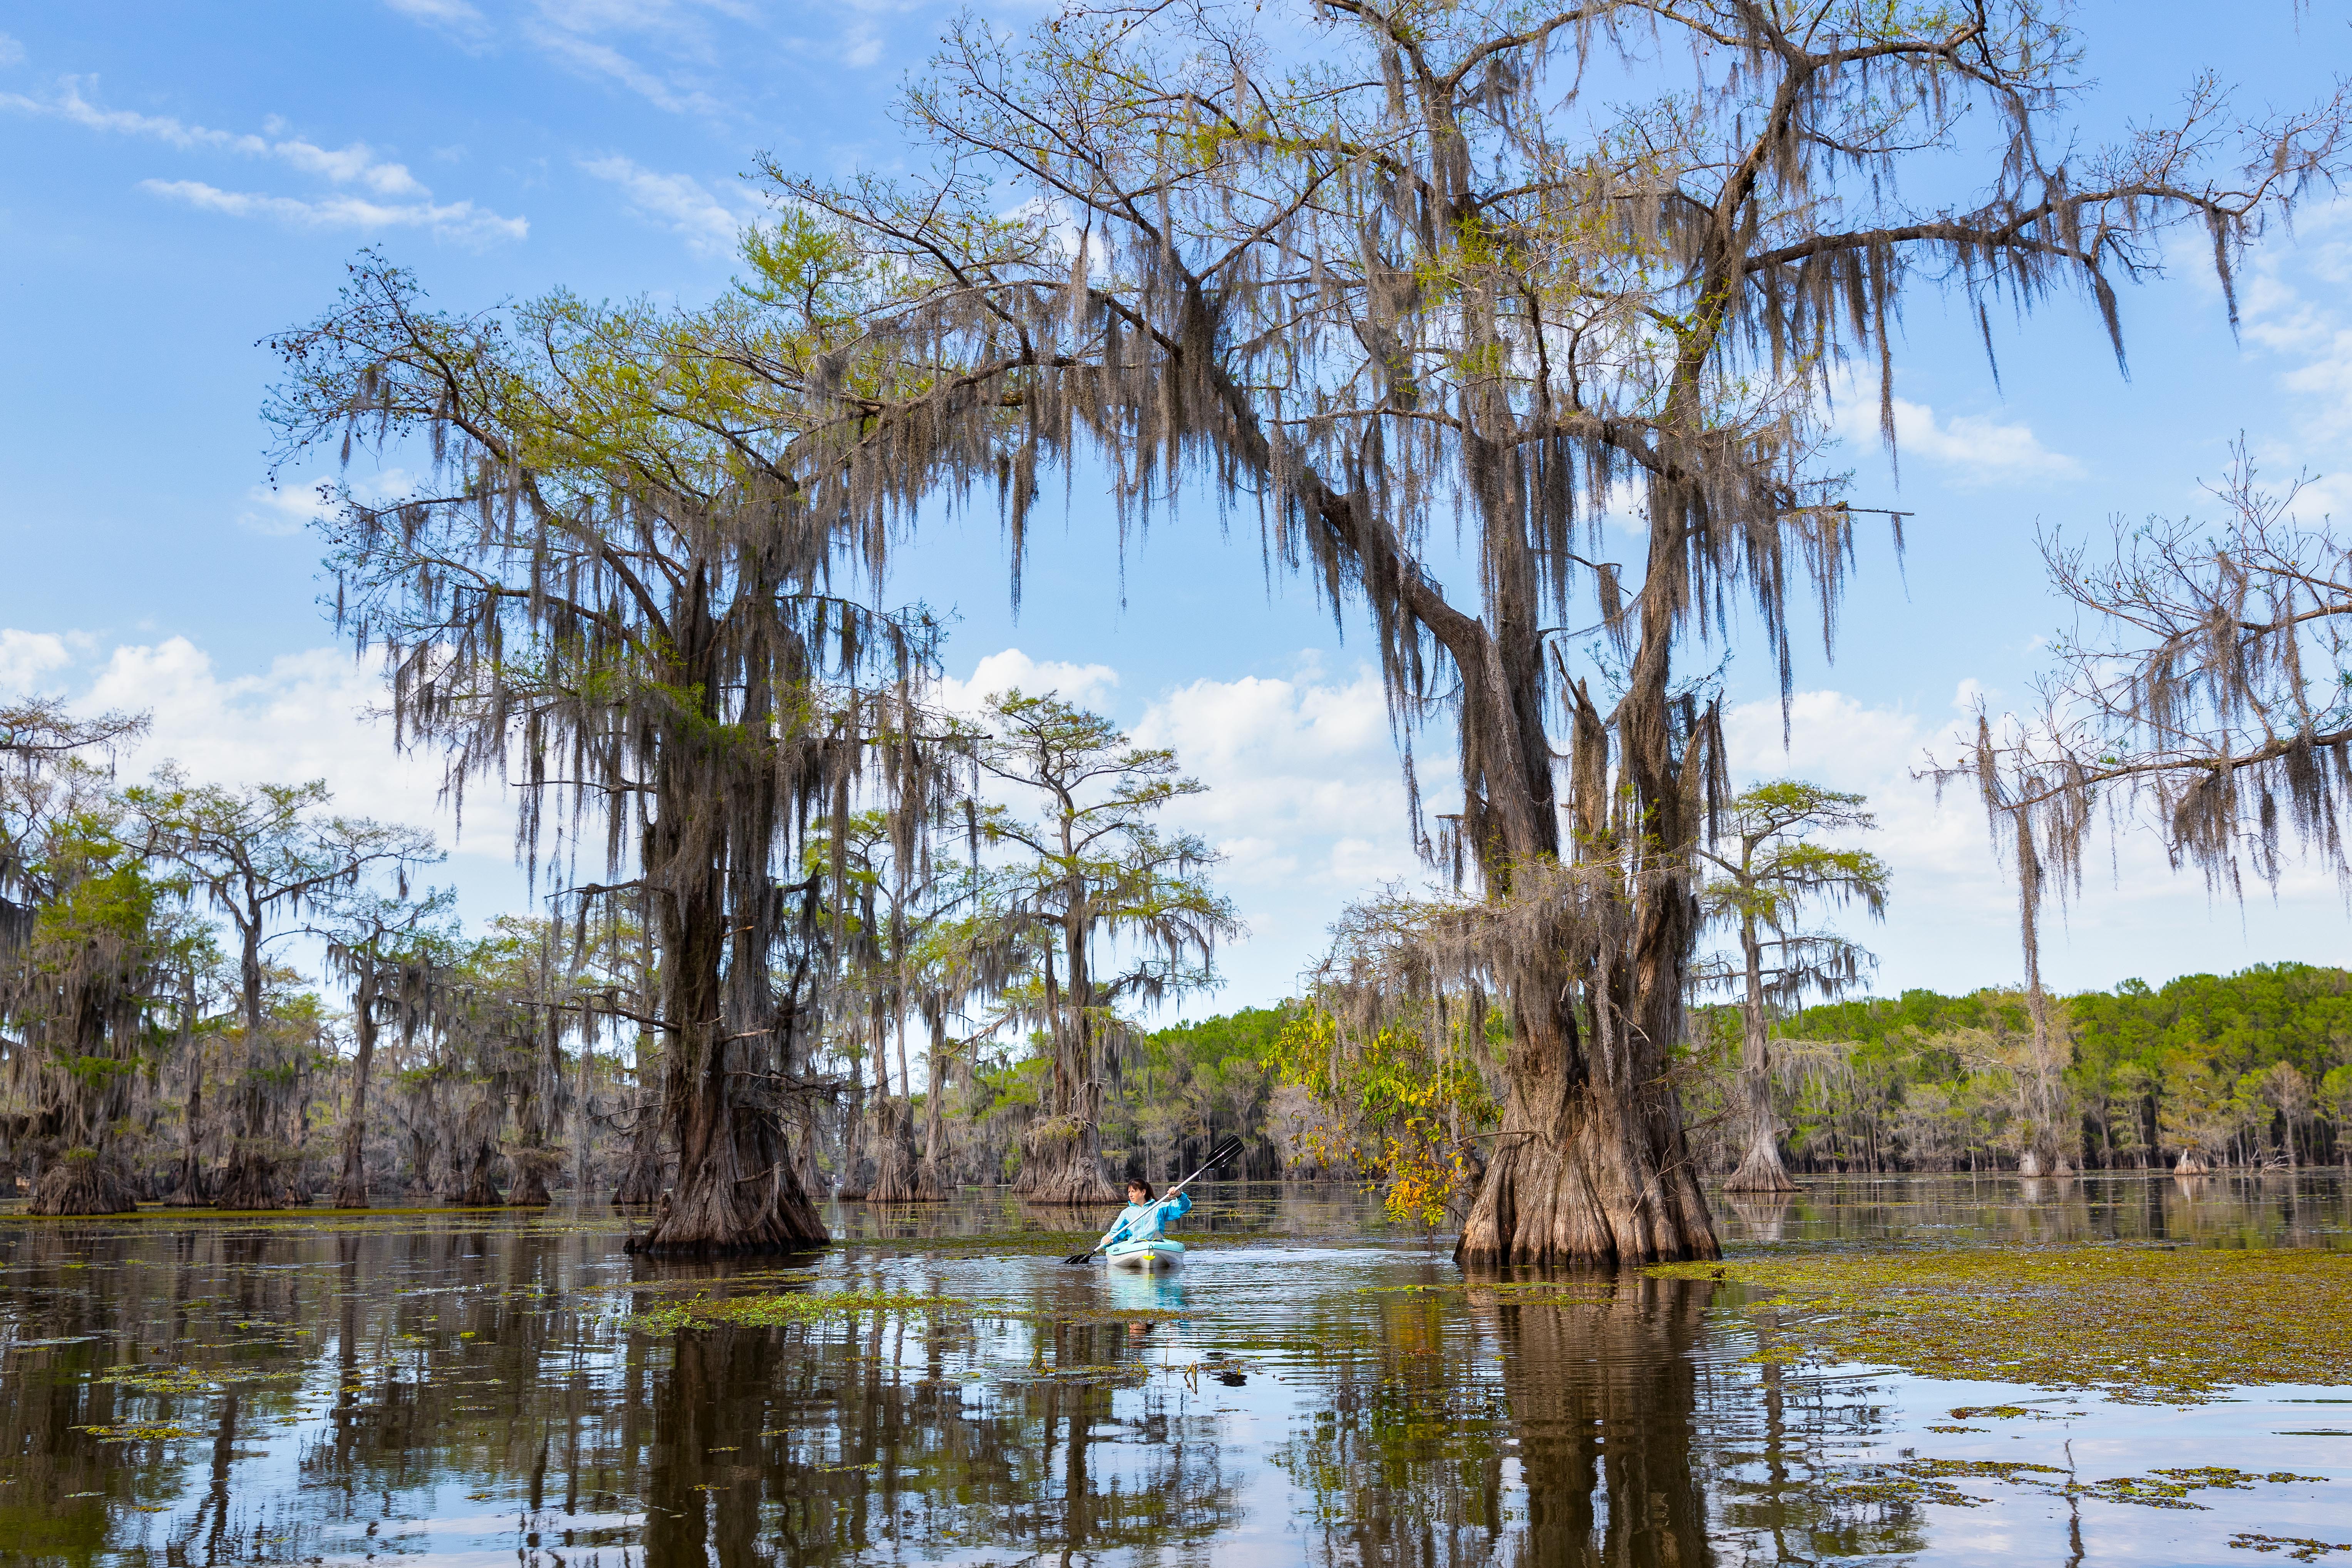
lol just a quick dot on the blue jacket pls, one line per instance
(1148, 1221)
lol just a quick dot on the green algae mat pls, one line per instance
(2139, 1324)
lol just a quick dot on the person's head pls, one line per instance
(1138, 1191)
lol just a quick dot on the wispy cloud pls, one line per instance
(445, 220)
(11, 51)
(289, 507)
(449, 16)
(592, 58)
(1974, 449)
(678, 201)
(393, 198)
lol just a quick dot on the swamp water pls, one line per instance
(1312, 1387)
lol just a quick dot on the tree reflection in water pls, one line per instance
(195, 1390)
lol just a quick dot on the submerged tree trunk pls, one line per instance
(894, 1135)
(727, 1043)
(188, 1189)
(84, 1180)
(252, 1181)
(1760, 1170)
(530, 1159)
(1062, 1150)
(641, 1175)
(2043, 1154)
(857, 1156)
(1592, 1165)
(931, 1173)
(351, 1182)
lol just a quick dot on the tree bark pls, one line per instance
(894, 1135)
(1062, 1150)
(930, 1174)
(530, 1161)
(351, 1182)
(252, 1181)
(1760, 1170)
(1592, 1165)
(738, 1190)
(83, 1181)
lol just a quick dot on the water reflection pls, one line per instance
(188, 1390)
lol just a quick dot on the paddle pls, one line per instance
(1218, 1155)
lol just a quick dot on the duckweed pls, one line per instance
(2138, 1324)
(2170, 1488)
(2301, 1548)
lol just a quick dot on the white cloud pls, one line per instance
(1974, 449)
(451, 16)
(280, 509)
(2288, 305)
(1952, 922)
(394, 198)
(449, 220)
(26, 657)
(1304, 790)
(11, 51)
(1010, 669)
(679, 201)
(288, 507)
(1977, 448)
(591, 59)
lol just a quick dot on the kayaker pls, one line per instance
(1144, 1220)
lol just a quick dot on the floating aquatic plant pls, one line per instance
(2139, 1324)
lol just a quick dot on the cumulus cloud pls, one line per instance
(678, 202)
(1010, 669)
(1953, 920)
(1304, 790)
(26, 657)
(378, 192)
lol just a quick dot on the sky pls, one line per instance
(185, 181)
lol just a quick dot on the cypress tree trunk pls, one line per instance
(930, 1174)
(252, 1181)
(1062, 1150)
(1760, 1170)
(738, 1189)
(83, 1180)
(351, 1183)
(1592, 1165)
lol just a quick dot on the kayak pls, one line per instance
(1159, 1254)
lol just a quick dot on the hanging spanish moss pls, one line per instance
(1388, 280)
(620, 603)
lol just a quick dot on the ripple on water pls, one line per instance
(472, 1386)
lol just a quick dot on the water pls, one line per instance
(1311, 1388)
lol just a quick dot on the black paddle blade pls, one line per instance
(1225, 1151)
(1081, 1258)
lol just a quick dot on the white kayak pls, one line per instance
(1161, 1254)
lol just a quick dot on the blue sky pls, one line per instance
(184, 181)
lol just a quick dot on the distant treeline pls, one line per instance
(2247, 1069)
(2253, 1069)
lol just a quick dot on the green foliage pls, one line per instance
(2248, 1068)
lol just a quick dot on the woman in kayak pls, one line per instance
(1144, 1220)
